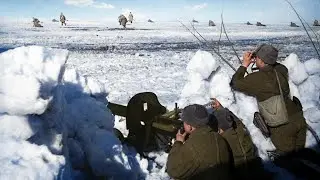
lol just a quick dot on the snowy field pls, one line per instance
(46, 124)
(146, 59)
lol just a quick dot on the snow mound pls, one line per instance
(297, 70)
(29, 76)
(203, 63)
(312, 66)
(19, 127)
(22, 160)
(33, 67)
(52, 120)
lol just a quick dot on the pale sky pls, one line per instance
(235, 11)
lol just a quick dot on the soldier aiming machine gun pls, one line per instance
(151, 126)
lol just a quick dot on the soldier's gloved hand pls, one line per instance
(180, 137)
(247, 56)
(215, 103)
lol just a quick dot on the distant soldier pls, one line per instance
(36, 22)
(316, 23)
(62, 19)
(122, 20)
(130, 18)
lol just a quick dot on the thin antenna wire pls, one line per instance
(220, 37)
(315, 34)
(304, 27)
(194, 28)
(220, 56)
(225, 32)
(191, 32)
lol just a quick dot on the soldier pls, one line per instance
(62, 20)
(36, 22)
(247, 163)
(130, 18)
(122, 20)
(204, 154)
(287, 136)
(316, 23)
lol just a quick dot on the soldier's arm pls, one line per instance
(181, 164)
(247, 85)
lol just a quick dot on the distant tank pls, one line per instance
(36, 22)
(248, 23)
(150, 21)
(316, 23)
(54, 20)
(195, 21)
(211, 23)
(260, 24)
(292, 24)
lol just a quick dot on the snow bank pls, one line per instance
(28, 66)
(202, 58)
(52, 120)
(301, 85)
(297, 70)
(312, 66)
(28, 77)
(22, 160)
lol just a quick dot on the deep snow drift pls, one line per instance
(52, 118)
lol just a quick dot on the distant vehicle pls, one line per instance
(292, 24)
(211, 23)
(248, 23)
(54, 20)
(195, 21)
(150, 21)
(316, 23)
(36, 22)
(260, 24)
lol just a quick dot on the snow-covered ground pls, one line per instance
(52, 105)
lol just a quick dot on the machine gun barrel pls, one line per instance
(167, 123)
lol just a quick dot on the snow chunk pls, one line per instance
(220, 89)
(16, 99)
(312, 115)
(310, 94)
(203, 63)
(35, 67)
(294, 91)
(297, 70)
(22, 160)
(19, 127)
(312, 66)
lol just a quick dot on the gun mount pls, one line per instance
(151, 126)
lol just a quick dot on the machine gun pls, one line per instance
(151, 126)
